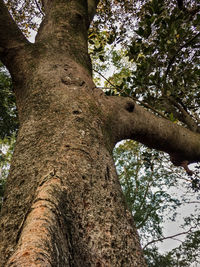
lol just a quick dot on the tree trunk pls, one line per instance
(63, 204)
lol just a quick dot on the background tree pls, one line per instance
(150, 185)
(8, 126)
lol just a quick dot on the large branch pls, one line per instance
(127, 120)
(65, 28)
(71, 16)
(11, 36)
(91, 6)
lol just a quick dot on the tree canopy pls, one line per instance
(154, 45)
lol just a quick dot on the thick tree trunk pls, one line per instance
(63, 204)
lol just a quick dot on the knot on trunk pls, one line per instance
(130, 106)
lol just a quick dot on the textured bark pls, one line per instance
(128, 120)
(63, 204)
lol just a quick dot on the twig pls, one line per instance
(150, 107)
(180, 48)
(115, 86)
(38, 6)
(168, 237)
(192, 202)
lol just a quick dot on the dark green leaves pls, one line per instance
(8, 114)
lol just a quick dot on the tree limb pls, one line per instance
(128, 120)
(134, 98)
(188, 42)
(74, 15)
(167, 132)
(91, 7)
(11, 36)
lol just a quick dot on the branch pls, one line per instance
(183, 145)
(114, 86)
(180, 48)
(127, 120)
(183, 116)
(70, 16)
(39, 8)
(91, 8)
(11, 36)
(167, 237)
(192, 202)
(142, 223)
(150, 107)
(134, 98)
(143, 201)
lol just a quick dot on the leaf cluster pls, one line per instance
(8, 112)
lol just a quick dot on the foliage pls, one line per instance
(6, 151)
(8, 113)
(26, 14)
(188, 252)
(183, 256)
(154, 258)
(145, 184)
(8, 126)
(161, 41)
